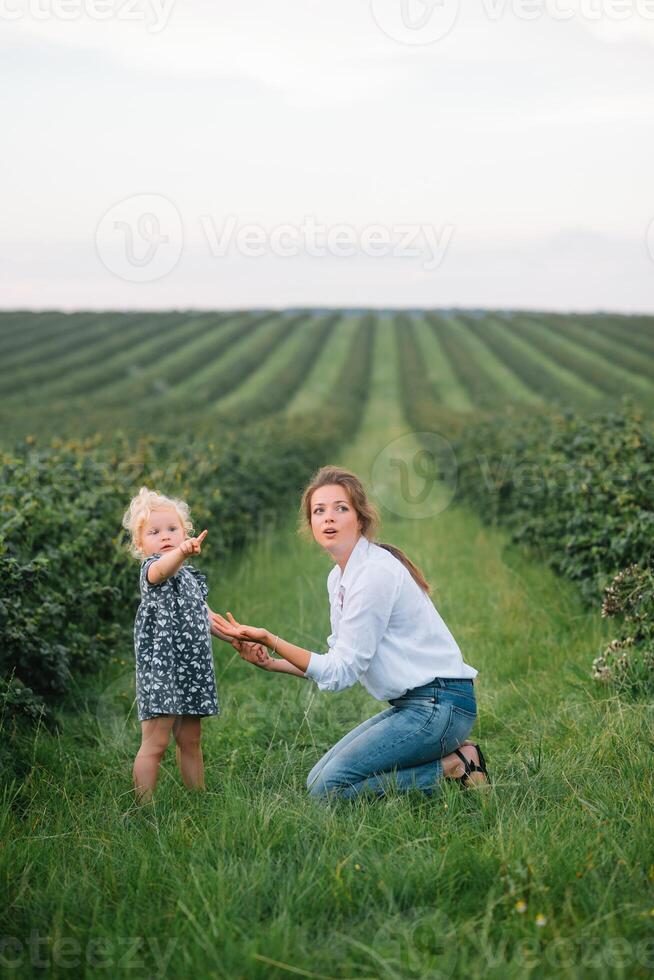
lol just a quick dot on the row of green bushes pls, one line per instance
(574, 360)
(69, 589)
(579, 492)
(525, 362)
(481, 387)
(229, 376)
(633, 331)
(87, 347)
(123, 358)
(66, 577)
(291, 374)
(24, 335)
(615, 352)
(209, 338)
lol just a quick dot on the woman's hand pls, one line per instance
(237, 631)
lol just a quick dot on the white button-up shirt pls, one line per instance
(386, 632)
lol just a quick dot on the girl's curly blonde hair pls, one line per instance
(140, 508)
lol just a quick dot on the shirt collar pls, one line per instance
(357, 556)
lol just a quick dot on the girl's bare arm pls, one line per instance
(172, 560)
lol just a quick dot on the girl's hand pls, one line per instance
(254, 653)
(230, 627)
(193, 546)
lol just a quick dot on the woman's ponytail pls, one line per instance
(413, 570)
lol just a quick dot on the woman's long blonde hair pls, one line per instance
(366, 511)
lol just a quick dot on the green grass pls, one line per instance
(252, 871)
(252, 879)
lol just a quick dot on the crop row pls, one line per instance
(65, 340)
(95, 351)
(602, 379)
(125, 367)
(22, 333)
(156, 375)
(622, 330)
(343, 407)
(616, 354)
(525, 363)
(418, 393)
(228, 376)
(481, 387)
(290, 376)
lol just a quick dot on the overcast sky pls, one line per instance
(341, 152)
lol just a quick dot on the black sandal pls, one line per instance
(471, 767)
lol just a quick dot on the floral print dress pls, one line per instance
(172, 642)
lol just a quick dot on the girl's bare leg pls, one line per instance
(187, 732)
(155, 735)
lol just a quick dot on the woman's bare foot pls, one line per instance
(453, 767)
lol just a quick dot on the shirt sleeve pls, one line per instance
(367, 608)
(147, 586)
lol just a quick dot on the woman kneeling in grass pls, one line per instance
(386, 634)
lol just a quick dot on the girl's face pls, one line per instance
(162, 531)
(334, 521)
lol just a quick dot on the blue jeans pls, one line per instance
(400, 748)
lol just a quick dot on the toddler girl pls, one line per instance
(175, 680)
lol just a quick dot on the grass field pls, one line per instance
(550, 872)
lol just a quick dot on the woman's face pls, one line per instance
(334, 521)
(162, 531)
